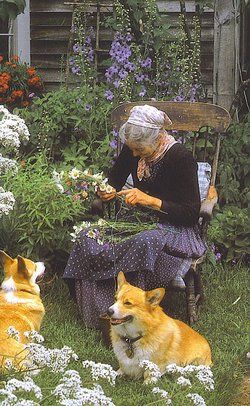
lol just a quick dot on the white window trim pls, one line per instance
(21, 37)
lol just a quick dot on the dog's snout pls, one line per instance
(110, 311)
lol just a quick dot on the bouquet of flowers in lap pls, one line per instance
(83, 185)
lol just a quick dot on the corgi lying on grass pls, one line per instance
(20, 306)
(140, 330)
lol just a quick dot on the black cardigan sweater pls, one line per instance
(173, 179)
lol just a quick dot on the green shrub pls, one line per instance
(42, 218)
(230, 232)
(72, 125)
(234, 165)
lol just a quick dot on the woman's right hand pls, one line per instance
(106, 197)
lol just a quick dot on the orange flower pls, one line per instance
(24, 103)
(6, 76)
(16, 94)
(68, 183)
(1, 58)
(8, 63)
(31, 71)
(13, 65)
(15, 58)
(35, 81)
(4, 88)
(23, 163)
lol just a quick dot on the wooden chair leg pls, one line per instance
(191, 297)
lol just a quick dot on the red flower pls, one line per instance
(1, 58)
(15, 58)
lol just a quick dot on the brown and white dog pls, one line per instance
(20, 305)
(140, 330)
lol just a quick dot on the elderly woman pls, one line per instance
(165, 179)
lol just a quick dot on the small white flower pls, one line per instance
(91, 234)
(102, 187)
(183, 381)
(99, 370)
(153, 371)
(102, 223)
(109, 189)
(13, 333)
(74, 173)
(163, 394)
(197, 399)
(34, 336)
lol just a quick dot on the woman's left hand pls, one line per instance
(135, 196)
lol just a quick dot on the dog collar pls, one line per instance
(130, 341)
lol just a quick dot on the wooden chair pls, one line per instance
(188, 116)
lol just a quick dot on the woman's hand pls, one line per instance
(106, 197)
(136, 196)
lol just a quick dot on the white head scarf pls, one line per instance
(148, 116)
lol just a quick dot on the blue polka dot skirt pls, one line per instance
(149, 259)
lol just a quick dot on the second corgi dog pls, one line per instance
(140, 330)
(20, 306)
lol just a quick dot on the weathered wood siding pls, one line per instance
(50, 28)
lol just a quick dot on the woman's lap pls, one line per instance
(143, 259)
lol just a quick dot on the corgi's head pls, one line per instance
(20, 274)
(133, 305)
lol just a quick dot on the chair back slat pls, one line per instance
(185, 116)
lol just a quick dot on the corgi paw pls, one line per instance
(119, 372)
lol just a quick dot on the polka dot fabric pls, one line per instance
(150, 259)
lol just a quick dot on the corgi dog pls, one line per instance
(20, 306)
(140, 330)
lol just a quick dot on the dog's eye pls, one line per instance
(127, 303)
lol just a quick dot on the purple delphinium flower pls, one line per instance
(139, 77)
(123, 74)
(71, 61)
(218, 256)
(31, 95)
(179, 98)
(117, 83)
(115, 132)
(76, 48)
(146, 63)
(88, 40)
(113, 144)
(109, 95)
(91, 55)
(88, 107)
(129, 66)
(75, 69)
(143, 92)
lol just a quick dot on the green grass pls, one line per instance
(223, 321)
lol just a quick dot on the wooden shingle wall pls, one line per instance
(50, 28)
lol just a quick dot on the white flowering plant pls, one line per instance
(13, 131)
(81, 185)
(75, 381)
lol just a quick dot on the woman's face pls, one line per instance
(143, 151)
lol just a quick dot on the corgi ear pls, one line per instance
(6, 259)
(155, 296)
(120, 280)
(22, 268)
